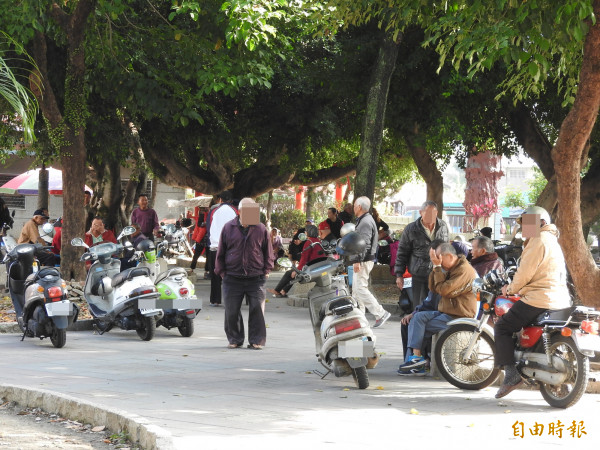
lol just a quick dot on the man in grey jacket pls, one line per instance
(413, 249)
(363, 264)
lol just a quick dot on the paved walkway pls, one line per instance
(210, 397)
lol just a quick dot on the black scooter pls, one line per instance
(39, 296)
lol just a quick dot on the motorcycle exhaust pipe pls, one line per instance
(552, 378)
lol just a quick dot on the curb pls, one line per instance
(80, 325)
(140, 430)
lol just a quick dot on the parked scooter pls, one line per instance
(174, 287)
(552, 351)
(39, 296)
(126, 299)
(344, 340)
(175, 237)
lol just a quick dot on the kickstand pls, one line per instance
(98, 330)
(321, 374)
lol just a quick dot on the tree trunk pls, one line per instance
(66, 127)
(112, 196)
(427, 168)
(43, 195)
(567, 153)
(372, 130)
(269, 209)
(310, 202)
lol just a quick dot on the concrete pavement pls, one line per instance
(190, 393)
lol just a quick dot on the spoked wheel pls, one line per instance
(58, 337)
(187, 327)
(568, 393)
(147, 329)
(474, 371)
(361, 377)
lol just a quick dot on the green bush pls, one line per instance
(288, 221)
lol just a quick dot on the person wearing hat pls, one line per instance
(325, 233)
(309, 221)
(30, 233)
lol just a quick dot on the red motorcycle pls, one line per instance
(552, 351)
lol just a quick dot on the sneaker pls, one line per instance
(412, 362)
(415, 372)
(383, 319)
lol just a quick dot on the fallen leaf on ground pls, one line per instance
(379, 388)
(414, 411)
(99, 428)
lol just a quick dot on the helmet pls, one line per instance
(538, 210)
(351, 244)
(149, 249)
(347, 228)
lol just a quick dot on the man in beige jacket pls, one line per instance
(540, 280)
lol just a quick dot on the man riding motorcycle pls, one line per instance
(540, 281)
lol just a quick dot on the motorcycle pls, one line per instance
(176, 240)
(552, 351)
(126, 299)
(174, 287)
(344, 340)
(39, 296)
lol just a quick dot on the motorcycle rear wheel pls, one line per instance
(187, 327)
(479, 371)
(361, 377)
(148, 328)
(58, 337)
(568, 393)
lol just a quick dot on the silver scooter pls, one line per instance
(344, 341)
(126, 299)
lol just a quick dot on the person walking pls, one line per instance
(244, 261)
(413, 249)
(363, 264)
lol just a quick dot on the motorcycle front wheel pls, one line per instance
(475, 371)
(146, 331)
(187, 327)
(58, 337)
(568, 393)
(361, 377)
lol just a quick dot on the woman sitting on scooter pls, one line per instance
(309, 256)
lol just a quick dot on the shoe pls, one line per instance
(383, 319)
(255, 347)
(207, 275)
(214, 304)
(506, 389)
(234, 346)
(413, 361)
(414, 372)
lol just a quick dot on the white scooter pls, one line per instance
(344, 341)
(126, 299)
(174, 288)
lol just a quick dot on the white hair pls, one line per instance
(363, 202)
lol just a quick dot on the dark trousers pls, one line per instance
(234, 290)
(215, 280)
(285, 282)
(197, 252)
(520, 315)
(420, 289)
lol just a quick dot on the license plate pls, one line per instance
(147, 303)
(62, 308)
(407, 282)
(180, 303)
(588, 341)
(356, 348)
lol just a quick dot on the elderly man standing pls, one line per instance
(451, 278)
(244, 261)
(145, 217)
(413, 249)
(484, 258)
(363, 264)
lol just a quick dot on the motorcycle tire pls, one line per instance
(568, 393)
(187, 327)
(58, 337)
(361, 377)
(479, 372)
(146, 332)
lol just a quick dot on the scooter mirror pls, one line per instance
(284, 262)
(302, 237)
(383, 243)
(347, 228)
(78, 242)
(48, 228)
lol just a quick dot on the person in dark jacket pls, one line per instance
(413, 249)
(295, 247)
(335, 223)
(484, 257)
(346, 214)
(244, 261)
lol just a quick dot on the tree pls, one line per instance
(481, 195)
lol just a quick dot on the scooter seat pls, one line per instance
(51, 272)
(129, 274)
(338, 306)
(171, 272)
(554, 316)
